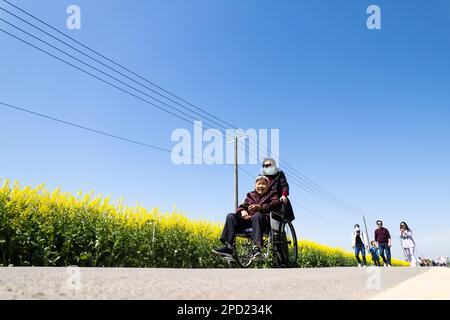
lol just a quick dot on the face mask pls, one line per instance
(357, 229)
(270, 171)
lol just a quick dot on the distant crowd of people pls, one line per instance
(381, 246)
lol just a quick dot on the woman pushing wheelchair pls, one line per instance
(278, 182)
(271, 191)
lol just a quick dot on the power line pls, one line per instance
(294, 171)
(303, 207)
(325, 192)
(108, 59)
(319, 215)
(306, 183)
(98, 61)
(294, 181)
(299, 184)
(92, 75)
(132, 141)
(104, 133)
(104, 73)
(96, 69)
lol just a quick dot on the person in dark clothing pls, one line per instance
(252, 213)
(375, 253)
(359, 244)
(383, 238)
(278, 182)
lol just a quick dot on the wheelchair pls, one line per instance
(279, 241)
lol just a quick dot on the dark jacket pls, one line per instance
(268, 202)
(382, 235)
(279, 184)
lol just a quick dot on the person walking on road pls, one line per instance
(375, 252)
(359, 244)
(383, 238)
(408, 244)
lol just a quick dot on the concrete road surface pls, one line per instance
(320, 283)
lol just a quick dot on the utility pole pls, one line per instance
(236, 169)
(365, 226)
(236, 177)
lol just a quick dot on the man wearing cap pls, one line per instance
(252, 213)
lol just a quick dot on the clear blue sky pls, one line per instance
(363, 113)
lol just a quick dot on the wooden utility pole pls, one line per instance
(236, 169)
(236, 177)
(365, 226)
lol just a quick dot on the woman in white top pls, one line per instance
(408, 244)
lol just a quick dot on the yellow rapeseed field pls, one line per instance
(43, 228)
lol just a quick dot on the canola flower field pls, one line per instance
(43, 228)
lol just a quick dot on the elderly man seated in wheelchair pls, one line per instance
(253, 213)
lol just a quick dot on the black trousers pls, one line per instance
(235, 224)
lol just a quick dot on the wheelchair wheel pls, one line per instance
(288, 244)
(243, 247)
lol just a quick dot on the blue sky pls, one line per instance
(363, 113)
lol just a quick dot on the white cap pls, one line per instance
(262, 177)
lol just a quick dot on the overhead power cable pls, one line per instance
(301, 180)
(113, 62)
(303, 207)
(92, 130)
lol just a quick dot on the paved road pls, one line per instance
(320, 283)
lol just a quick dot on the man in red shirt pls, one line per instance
(383, 237)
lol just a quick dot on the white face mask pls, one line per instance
(357, 229)
(270, 171)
